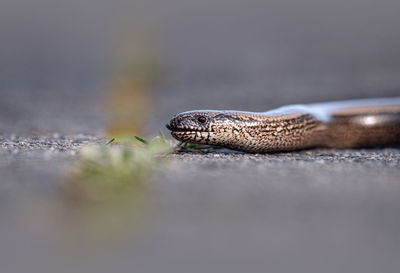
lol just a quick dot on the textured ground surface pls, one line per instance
(309, 211)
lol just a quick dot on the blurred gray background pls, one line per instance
(217, 54)
(311, 211)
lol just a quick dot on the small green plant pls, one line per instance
(192, 147)
(108, 190)
(109, 171)
(114, 169)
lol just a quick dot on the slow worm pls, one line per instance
(342, 124)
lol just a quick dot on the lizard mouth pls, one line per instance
(179, 129)
(187, 134)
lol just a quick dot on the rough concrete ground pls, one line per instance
(310, 211)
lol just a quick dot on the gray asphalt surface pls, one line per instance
(319, 210)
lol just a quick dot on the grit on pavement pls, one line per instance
(319, 210)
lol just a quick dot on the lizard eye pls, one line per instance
(202, 119)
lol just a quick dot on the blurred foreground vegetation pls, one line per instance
(107, 191)
(107, 172)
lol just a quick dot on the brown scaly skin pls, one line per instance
(363, 123)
